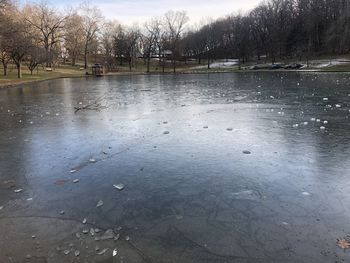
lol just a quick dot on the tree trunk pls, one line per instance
(5, 68)
(85, 57)
(148, 63)
(19, 70)
(208, 61)
(73, 61)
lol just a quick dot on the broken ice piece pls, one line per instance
(1, 207)
(100, 203)
(115, 252)
(76, 253)
(325, 99)
(116, 238)
(66, 252)
(76, 181)
(77, 235)
(85, 231)
(322, 128)
(306, 193)
(62, 212)
(313, 119)
(102, 251)
(29, 199)
(109, 234)
(92, 232)
(73, 171)
(84, 221)
(18, 191)
(127, 238)
(305, 123)
(119, 187)
(338, 106)
(325, 122)
(92, 160)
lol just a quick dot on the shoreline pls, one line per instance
(24, 82)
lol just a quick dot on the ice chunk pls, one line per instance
(247, 195)
(119, 187)
(103, 251)
(100, 203)
(109, 234)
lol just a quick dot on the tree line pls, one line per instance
(275, 30)
(38, 34)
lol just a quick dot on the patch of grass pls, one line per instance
(40, 74)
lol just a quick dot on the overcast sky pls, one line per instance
(130, 11)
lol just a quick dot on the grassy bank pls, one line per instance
(191, 67)
(38, 75)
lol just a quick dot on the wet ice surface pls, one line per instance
(216, 168)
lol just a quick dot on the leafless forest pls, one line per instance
(39, 35)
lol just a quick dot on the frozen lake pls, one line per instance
(247, 167)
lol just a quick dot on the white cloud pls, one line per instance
(130, 11)
(139, 11)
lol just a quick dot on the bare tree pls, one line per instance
(151, 39)
(132, 37)
(74, 36)
(108, 33)
(174, 25)
(47, 24)
(91, 18)
(18, 38)
(34, 57)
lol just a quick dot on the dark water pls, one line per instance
(191, 195)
